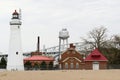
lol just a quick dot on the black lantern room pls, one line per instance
(15, 15)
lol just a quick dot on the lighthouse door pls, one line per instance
(95, 65)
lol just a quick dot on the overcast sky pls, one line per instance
(45, 18)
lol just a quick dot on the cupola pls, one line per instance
(15, 15)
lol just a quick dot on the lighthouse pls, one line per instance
(15, 55)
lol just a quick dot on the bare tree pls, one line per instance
(116, 41)
(97, 37)
(117, 38)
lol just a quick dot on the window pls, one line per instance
(71, 65)
(77, 65)
(95, 62)
(16, 53)
(14, 15)
(66, 65)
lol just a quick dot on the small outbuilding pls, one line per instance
(40, 62)
(96, 60)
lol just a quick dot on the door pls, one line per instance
(95, 65)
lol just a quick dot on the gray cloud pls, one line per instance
(47, 17)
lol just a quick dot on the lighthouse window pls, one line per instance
(16, 53)
(14, 16)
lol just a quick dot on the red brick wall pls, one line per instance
(72, 54)
(74, 61)
(89, 64)
(103, 65)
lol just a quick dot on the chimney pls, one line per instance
(72, 46)
(38, 44)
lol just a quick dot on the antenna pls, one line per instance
(19, 13)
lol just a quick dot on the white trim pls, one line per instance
(95, 65)
(71, 57)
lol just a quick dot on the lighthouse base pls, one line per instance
(15, 68)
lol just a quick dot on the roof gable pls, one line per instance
(71, 53)
(95, 55)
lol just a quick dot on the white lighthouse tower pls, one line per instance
(15, 55)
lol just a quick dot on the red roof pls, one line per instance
(39, 58)
(95, 55)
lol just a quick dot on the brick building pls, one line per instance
(72, 59)
(37, 60)
(95, 60)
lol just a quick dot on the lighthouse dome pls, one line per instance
(15, 15)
